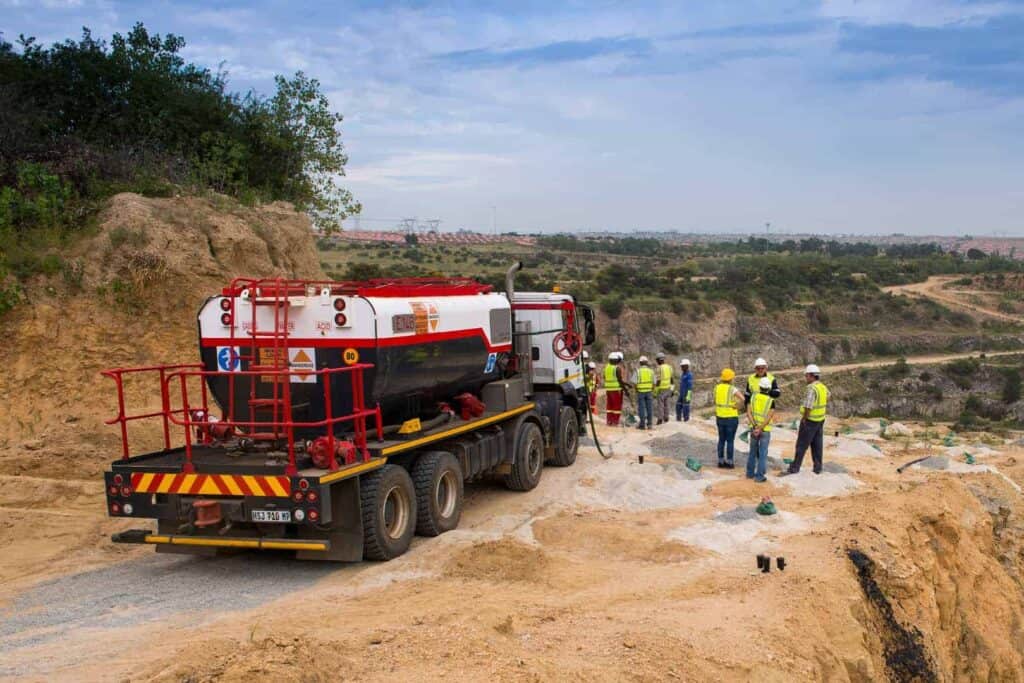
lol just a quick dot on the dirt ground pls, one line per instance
(609, 570)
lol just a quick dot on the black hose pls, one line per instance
(424, 425)
(590, 418)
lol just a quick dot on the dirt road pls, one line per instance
(609, 570)
(911, 360)
(934, 288)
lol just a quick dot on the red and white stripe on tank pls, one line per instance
(368, 321)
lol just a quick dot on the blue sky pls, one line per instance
(818, 116)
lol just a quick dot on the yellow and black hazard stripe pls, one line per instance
(212, 484)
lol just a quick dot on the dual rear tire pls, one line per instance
(396, 504)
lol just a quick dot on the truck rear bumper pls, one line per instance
(144, 536)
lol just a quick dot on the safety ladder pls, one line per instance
(272, 295)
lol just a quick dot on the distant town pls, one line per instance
(1010, 247)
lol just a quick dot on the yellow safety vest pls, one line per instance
(760, 406)
(754, 382)
(611, 379)
(817, 413)
(644, 380)
(665, 377)
(591, 381)
(724, 406)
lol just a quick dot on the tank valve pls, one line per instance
(319, 450)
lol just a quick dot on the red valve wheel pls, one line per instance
(568, 345)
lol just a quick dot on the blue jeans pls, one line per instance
(758, 455)
(645, 408)
(726, 435)
(682, 411)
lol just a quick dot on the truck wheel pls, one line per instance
(438, 481)
(529, 458)
(568, 441)
(388, 503)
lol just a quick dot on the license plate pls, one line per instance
(271, 516)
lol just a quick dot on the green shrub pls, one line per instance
(1011, 385)
(612, 306)
(900, 368)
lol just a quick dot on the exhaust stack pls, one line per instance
(510, 276)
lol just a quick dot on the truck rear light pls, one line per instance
(126, 491)
(339, 304)
(312, 497)
(303, 484)
(297, 496)
(128, 509)
(225, 304)
(112, 490)
(115, 509)
(118, 479)
(299, 515)
(314, 515)
(225, 319)
(340, 320)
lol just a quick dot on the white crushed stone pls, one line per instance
(750, 535)
(626, 485)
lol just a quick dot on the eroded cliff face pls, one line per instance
(131, 301)
(940, 568)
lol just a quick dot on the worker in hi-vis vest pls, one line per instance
(812, 422)
(644, 381)
(754, 381)
(727, 416)
(614, 384)
(685, 391)
(664, 389)
(761, 414)
(592, 384)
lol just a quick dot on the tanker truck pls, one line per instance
(338, 419)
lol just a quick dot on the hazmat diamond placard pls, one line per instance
(302, 362)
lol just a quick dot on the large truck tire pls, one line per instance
(529, 458)
(437, 478)
(567, 440)
(388, 503)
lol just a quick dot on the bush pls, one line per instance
(611, 306)
(1011, 385)
(900, 368)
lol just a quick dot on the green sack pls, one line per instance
(968, 458)
(787, 461)
(793, 424)
(630, 420)
(883, 423)
(693, 464)
(948, 441)
(745, 436)
(766, 508)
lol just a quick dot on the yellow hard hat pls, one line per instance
(728, 374)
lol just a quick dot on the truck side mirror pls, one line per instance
(589, 327)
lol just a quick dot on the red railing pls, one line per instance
(185, 415)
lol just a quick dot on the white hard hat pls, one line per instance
(760, 361)
(660, 356)
(615, 355)
(765, 383)
(586, 355)
(642, 359)
(812, 369)
(685, 361)
(591, 365)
